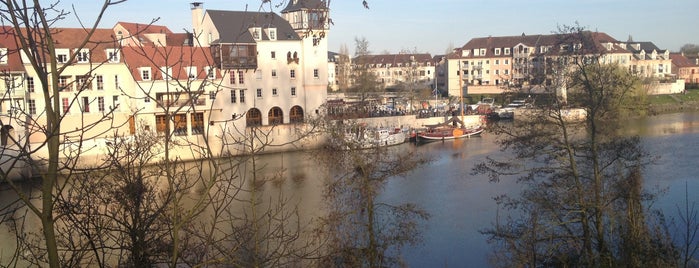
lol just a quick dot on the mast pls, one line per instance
(461, 91)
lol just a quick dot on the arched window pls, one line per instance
(296, 114)
(253, 117)
(276, 116)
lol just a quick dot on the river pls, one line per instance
(461, 204)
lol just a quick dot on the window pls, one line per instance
(256, 33)
(100, 104)
(197, 123)
(115, 102)
(507, 71)
(113, 55)
(32, 106)
(274, 73)
(497, 62)
(292, 73)
(241, 96)
(497, 71)
(180, 124)
(231, 77)
(210, 73)
(482, 51)
(65, 105)
(62, 55)
(272, 34)
(3, 55)
(86, 104)
(192, 72)
(259, 93)
(166, 73)
(161, 124)
(497, 51)
(274, 55)
(82, 82)
(116, 82)
(258, 74)
(30, 84)
(63, 83)
(274, 92)
(100, 82)
(145, 73)
(241, 79)
(507, 62)
(83, 56)
(293, 91)
(315, 73)
(507, 51)
(233, 99)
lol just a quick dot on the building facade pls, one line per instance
(498, 64)
(400, 70)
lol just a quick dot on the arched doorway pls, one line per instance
(296, 114)
(6, 132)
(253, 117)
(276, 116)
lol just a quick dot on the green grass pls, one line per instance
(690, 96)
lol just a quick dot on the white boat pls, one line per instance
(365, 138)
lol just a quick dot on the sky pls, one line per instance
(434, 26)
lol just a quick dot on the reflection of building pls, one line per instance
(497, 63)
(685, 68)
(393, 70)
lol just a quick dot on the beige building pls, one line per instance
(497, 64)
(400, 70)
(684, 68)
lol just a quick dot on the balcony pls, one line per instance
(235, 56)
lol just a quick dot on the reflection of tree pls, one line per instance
(361, 230)
(583, 203)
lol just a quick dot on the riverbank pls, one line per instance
(673, 103)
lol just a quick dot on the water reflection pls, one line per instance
(461, 204)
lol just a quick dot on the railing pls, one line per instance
(180, 103)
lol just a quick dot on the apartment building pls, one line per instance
(496, 64)
(684, 68)
(396, 70)
(90, 87)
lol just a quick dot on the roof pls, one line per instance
(175, 57)
(394, 59)
(531, 41)
(7, 40)
(296, 5)
(233, 26)
(681, 61)
(140, 28)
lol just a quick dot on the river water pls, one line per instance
(461, 204)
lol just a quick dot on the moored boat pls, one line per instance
(449, 130)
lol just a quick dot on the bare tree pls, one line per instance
(583, 203)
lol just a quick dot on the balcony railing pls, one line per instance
(180, 103)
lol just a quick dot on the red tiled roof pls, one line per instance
(7, 40)
(175, 57)
(140, 28)
(681, 61)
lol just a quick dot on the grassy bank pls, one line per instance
(688, 101)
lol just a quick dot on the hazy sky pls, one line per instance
(432, 26)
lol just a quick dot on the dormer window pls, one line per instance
(507, 51)
(83, 55)
(3, 55)
(62, 55)
(497, 51)
(145, 73)
(210, 72)
(191, 72)
(482, 51)
(113, 55)
(256, 33)
(166, 73)
(272, 33)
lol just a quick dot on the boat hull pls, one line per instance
(447, 134)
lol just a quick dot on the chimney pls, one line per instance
(197, 18)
